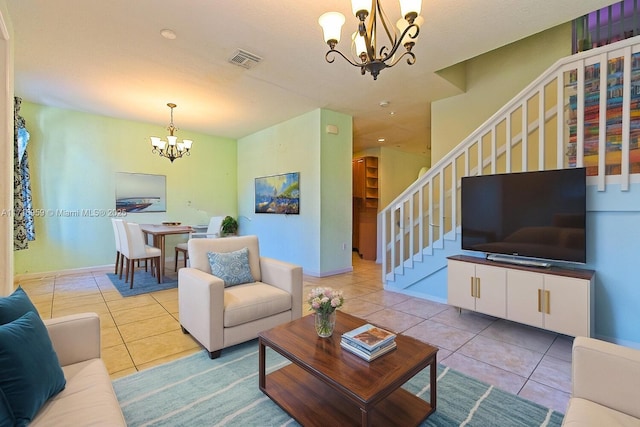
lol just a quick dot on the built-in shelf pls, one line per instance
(365, 206)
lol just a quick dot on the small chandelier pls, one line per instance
(172, 149)
(364, 44)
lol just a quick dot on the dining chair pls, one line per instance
(124, 244)
(119, 256)
(136, 250)
(213, 231)
(122, 238)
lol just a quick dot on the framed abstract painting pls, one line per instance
(278, 194)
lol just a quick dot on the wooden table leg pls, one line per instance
(161, 246)
(366, 419)
(261, 364)
(158, 242)
(433, 380)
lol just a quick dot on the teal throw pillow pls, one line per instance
(14, 306)
(29, 369)
(232, 267)
(6, 416)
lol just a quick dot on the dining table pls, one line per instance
(158, 232)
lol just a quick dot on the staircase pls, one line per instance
(584, 111)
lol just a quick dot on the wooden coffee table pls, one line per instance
(326, 385)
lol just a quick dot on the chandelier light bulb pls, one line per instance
(402, 25)
(360, 44)
(359, 6)
(331, 23)
(410, 9)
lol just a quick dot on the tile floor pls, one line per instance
(143, 331)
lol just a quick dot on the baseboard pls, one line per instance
(169, 261)
(327, 273)
(58, 273)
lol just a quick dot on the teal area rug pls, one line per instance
(143, 282)
(197, 391)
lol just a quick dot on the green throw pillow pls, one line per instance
(29, 369)
(14, 306)
(232, 267)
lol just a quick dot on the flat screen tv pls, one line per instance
(536, 215)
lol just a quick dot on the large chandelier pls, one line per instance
(171, 149)
(364, 46)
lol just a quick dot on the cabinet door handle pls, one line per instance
(547, 302)
(477, 287)
(540, 300)
(473, 294)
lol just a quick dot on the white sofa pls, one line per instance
(88, 398)
(219, 316)
(605, 381)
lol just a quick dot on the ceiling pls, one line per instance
(108, 58)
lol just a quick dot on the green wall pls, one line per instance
(492, 80)
(73, 158)
(336, 219)
(314, 238)
(396, 171)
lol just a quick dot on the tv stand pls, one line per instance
(557, 299)
(518, 261)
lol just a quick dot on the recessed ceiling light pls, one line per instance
(168, 34)
(384, 103)
(380, 140)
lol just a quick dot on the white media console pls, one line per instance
(552, 298)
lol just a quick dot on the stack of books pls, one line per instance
(368, 342)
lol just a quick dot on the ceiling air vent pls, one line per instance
(244, 59)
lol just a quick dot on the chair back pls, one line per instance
(122, 237)
(116, 233)
(198, 249)
(135, 239)
(215, 223)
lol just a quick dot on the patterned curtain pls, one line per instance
(22, 202)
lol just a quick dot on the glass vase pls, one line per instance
(325, 322)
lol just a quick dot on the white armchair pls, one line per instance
(219, 316)
(605, 380)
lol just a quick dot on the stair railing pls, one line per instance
(560, 120)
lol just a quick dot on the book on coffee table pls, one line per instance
(368, 356)
(368, 338)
